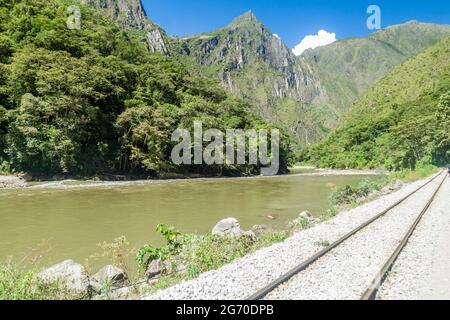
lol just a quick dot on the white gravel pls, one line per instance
(422, 270)
(243, 277)
(348, 270)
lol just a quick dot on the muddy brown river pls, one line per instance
(72, 219)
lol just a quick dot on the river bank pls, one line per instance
(12, 182)
(62, 182)
(195, 253)
(203, 245)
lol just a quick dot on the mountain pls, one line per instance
(247, 51)
(308, 95)
(131, 16)
(349, 67)
(251, 62)
(402, 122)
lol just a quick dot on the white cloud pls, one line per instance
(322, 38)
(277, 36)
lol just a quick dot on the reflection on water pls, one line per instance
(74, 220)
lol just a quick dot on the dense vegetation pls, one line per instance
(95, 100)
(310, 94)
(403, 121)
(17, 284)
(348, 68)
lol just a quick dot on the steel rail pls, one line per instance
(380, 278)
(260, 294)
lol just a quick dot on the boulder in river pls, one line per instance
(228, 227)
(70, 275)
(111, 275)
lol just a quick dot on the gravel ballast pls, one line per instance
(245, 276)
(422, 270)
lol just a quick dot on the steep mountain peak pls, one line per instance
(248, 18)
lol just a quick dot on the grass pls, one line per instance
(420, 172)
(350, 195)
(353, 196)
(201, 253)
(18, 284)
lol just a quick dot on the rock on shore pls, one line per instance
(12, 182)
(70, 275)
(228, 226)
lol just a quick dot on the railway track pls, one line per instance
(371, 292)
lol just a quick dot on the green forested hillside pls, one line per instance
(95, 100)
(402, 121)
(306, 95)
(310, 94)
(349, 67)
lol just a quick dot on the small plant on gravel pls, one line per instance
(211, 252)
(330, 213)
(322, 243)
(267, 239)
(196, 254)
(300, 223)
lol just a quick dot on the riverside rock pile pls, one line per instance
(12, 182)
(74, 278)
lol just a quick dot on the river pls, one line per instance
(74, 219)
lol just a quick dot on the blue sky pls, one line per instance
(292, 19)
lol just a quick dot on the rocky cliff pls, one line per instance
(247, 43)
(250, 61)
(309, 94)
(131, 15)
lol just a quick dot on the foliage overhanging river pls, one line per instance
(74, 220)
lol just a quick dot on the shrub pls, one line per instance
(16, 284)
(351, 194)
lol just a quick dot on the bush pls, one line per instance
(350, 194)
(201, 253)
(16, 284)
